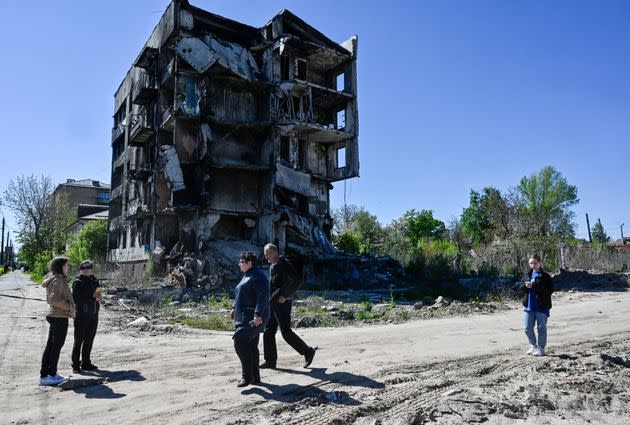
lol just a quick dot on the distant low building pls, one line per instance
(81, 193)
(72, 230)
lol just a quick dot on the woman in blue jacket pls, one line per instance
(250, 313)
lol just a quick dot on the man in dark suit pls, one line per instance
(284, 282)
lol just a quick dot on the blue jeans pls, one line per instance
(532, 318)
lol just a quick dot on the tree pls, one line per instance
(421, 226)
(356, 224)
(90, 243)
(40, 216)
(546, 199)
(599, 234)
(475, 221)
(368, 229)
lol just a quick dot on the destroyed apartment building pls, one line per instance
(225, 132)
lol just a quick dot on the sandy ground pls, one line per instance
(447, 371)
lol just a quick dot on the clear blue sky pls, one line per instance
(453, 95)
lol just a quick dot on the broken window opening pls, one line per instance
(341, 82)
(121, 114)
(341, 158)
(234, 227)
(300, 66)
(285, 66)
(341, 119)
(117, 149)
(285, 150)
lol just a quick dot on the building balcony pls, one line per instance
(146, 58)
(137, 209)
(315, 110)
(144, 90)
(141, 130)
(139, 171)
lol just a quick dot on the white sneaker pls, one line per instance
(540, 352)
(60, 378)
(49, 381)
(532, 350)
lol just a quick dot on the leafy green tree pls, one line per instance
(475, 221)
(421, 226)
(546, 199)
(90, 243)
(357, 221)
(599, 234)
(347, 242)
(487, 216)
(368, 229)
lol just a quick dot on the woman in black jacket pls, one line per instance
(537, 289)
(86, 293)
(251, 311)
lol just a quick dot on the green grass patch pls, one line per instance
(36, 277)
(365, 315)
(223, 303)
(213, 322)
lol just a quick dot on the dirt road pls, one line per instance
(455, 370)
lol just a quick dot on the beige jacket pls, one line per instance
(59, 296)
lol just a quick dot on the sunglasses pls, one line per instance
(86, 268)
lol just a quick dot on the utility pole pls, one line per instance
(2, 246)
(622, 224)
(588, 226)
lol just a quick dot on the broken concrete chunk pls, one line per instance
(202, 55)
(172, 168)
(141, 323)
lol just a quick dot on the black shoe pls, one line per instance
(308, 357)
(256, 381)
(242, 383)
(267, 365)
(90, 367)
(76, 369)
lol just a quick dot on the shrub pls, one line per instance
(514, 272)
(347, 242)
(90, 243)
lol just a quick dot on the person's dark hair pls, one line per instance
(56, 265)
(535, 257)
(247, 257)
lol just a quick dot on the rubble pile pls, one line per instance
(590, 280)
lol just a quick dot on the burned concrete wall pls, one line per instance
(224, 131)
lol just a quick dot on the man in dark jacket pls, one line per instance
(250, 313)
(86, 294)
(537, 289)
(284, 282)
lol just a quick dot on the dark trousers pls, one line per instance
(281, 317)
(84, 333)
(56, 338)
(247, 351)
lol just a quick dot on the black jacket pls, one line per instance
(83, 289)
(543, 288)
(251, 297)
(284, 277)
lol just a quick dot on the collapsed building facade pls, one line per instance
(226, 132)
